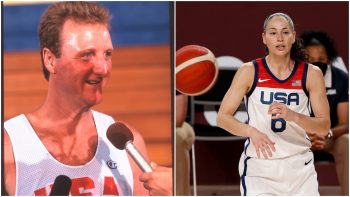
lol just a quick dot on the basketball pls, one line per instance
(196, 70)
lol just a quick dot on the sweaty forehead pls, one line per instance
(81, 35)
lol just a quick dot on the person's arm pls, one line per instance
(181, 109)
(342, 107)
(240, 85)
(319, 141)
(139, 190)
(343, 120)
(9, 166)
(159, 182)
(319, 103)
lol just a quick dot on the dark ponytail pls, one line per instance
(297, 52)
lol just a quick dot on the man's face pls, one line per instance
(85, 63)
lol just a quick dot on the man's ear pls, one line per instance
(49, 60)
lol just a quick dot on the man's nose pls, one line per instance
(101, 67)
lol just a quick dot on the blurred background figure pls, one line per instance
(322, 52)
(184, 141)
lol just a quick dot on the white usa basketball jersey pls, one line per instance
(108, 173)
(289, 138)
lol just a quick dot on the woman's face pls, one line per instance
(278, 36)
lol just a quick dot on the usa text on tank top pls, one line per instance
(289, 137)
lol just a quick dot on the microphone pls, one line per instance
(122, 138)
(61, 186)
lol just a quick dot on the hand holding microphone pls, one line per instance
(156, 179)
(159, 182)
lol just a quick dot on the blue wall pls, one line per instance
(133, 23)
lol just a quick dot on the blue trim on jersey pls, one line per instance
(256, 69)
(303, 81)
(246, 146)
(244, 175)
(309, 108)
(246, 106)
(273, 76)
(245, 167)
(255, 63)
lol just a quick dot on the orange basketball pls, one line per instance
(196, 70)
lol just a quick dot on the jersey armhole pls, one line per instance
(256, 70)
(6, 129)
(306, 66)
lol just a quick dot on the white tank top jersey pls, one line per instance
(108, 173)
(289, 138)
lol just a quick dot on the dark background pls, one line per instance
(234, 28)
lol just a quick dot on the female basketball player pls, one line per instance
(278, 90)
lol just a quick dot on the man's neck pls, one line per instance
(60, 114)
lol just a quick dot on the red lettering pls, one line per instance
(40, 192)
(110, 188)
(43, 191)
(83, 187)
(80, 186)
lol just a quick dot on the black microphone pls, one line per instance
(122, 138)
(61, 186)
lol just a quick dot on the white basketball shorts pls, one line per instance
(293, 175)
